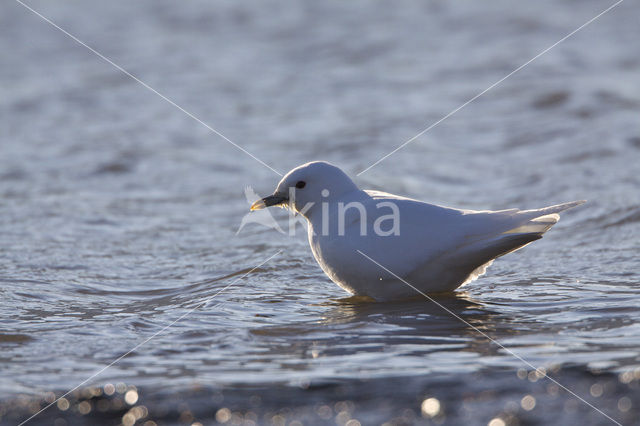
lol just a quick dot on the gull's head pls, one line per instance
(313, 182)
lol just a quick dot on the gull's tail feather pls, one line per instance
(539, 221)
(485, 254)
(556, 208)
(528, 226)
(483, 251)
(471, 261)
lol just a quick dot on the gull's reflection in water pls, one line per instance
(453, 321)
(356, 337)
(413, 333)
(458, 307)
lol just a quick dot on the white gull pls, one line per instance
(435, 249)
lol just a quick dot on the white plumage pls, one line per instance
(434, 248)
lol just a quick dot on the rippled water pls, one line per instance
(118, 212)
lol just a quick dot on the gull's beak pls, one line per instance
(271, 200)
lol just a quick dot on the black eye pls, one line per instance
(300, 184)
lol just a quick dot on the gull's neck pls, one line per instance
(315, 214)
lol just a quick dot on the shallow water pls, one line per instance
(119, 212)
